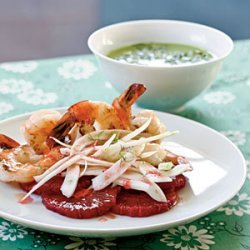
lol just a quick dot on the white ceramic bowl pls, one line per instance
(168, 87)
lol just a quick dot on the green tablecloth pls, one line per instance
(225, 106)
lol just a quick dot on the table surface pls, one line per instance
(225, 106)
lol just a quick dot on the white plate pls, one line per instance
(219, 172)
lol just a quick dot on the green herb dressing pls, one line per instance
(160, 54)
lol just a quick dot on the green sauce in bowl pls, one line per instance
(160, 54)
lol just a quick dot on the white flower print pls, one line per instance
(77, 69)
(5, 107)
(11, 231)
(43, 240)
(239, 205)
(248, 81)
(188, 238)
(13, 86)
(20, 67)
(248, 169)
(219, 97)
(90, 244)
(108, 85)
(37, 97)
(237, 137)
(26, 92)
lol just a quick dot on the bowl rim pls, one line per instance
(132, 22)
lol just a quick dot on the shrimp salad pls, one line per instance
(96, 158)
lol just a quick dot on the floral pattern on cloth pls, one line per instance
(89, 243)
(239, 205)
(77, 69)
(219, 97)
(185, 238)
(5, 107)
(11, 231)
(44, 240)
(20, 67)
(14, 86)
(26, 92)
(237, 137)
(28, 86)
(37, 97)
(248, 169)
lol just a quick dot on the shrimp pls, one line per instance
(87, 113)
(7, 142)
(155, 127)
(123, 103)
(37, 128)
(21, 163)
